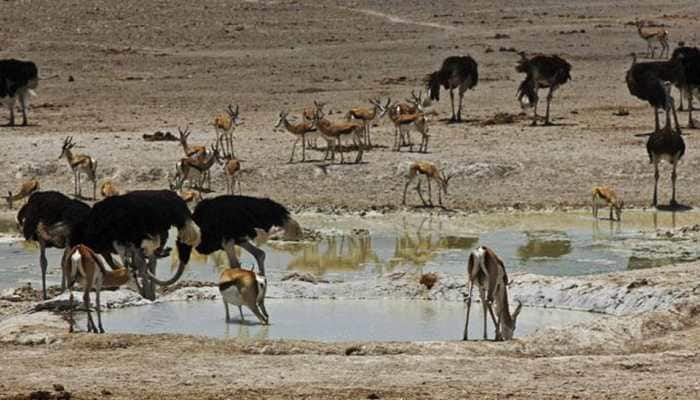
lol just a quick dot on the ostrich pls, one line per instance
(645, 81)
(541, 71)
(137, 224)
(17, 79)
(226, 221)
(49, 218)
(689, 58)
(456, 72)
(667, 144)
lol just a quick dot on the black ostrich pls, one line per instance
(542, 71)
(226, 221)
(135, 226)
(49, 219)
(667, 144)
(646, 82)
(689, 58)
(17, 79)
(456, 72)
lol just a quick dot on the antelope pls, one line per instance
(335, 133)
(232, 166)
(91, 270)
(80, 164)
(25, 190)
(307, 115)
(241, 287)
(366, 116)
(431, 172)
(651, 35)
(190, 151)
(403, 123)
(195, 169)
(299, 131)
(603, 195)
(224, 124)
(108, 189)
(488, 271)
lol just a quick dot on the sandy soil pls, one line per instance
(116, 70)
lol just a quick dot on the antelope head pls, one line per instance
(445, 181)
(234, 114)
(318, 114)
(184, 134)
(508, 324)
(67, 146)
(383, 108)
(282, 117)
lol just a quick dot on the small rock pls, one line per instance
(373, 396)
(58, 387)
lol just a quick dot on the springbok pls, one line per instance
(25, 190)
(488, 271)
(224, 124)
(653, 35)
(190, 151)
(80, 164)
(241, 287)
(299, 131)
(605, 196)
(335, 133)
(366, 116)
(232, 168)
(431, 172)
(196, 169)
(91, 270)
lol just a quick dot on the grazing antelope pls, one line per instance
(108, 189)
(603, 195)
(488, 271)
(299, 131)
(232, 166)
(241, 287)
(91, 270)
(366, 116)
(196, 169)
(224, 124)
(431, 172)
(651, 35)
(190, 151)
(80, 164)
(25, 190)
(335, 133)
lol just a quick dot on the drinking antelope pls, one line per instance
(651, 35)
(488, 271)
(25, 190)
(80, 164)
(224, 124)
(603, 195)
(366, 116)
(91, 270)
(431, 172)
(108, 189)
(241, 287)
(336, 133)
(299, 131)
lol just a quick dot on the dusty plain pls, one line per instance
(112, 71)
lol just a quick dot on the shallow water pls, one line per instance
(328, 320)
(355, 247)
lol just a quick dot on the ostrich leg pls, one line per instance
(230, 249)
(691, 123)
(43, 263)
(656, 180)
(673, 185)
(657, 128)
(452, 101)
(549, 100)
(149, 287)
(257, 253)
(461, 97)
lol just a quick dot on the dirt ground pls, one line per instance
(112, 71)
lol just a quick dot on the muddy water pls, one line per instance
(354, 247)
(328, 320)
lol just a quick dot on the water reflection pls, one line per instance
(547, 244)
(636, 262)
(345, 253)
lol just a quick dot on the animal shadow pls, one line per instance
(674, 208)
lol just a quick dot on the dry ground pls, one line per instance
(115, 70)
